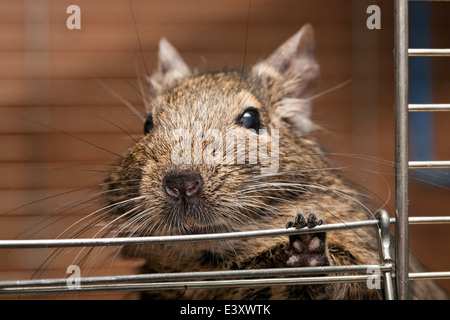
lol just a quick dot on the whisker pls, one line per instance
(68, 205)
(106, 210)
(310, 99)
(121, 99)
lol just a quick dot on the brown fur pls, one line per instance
(236, 197)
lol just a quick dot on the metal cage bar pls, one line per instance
(401, 148)
(144, 282)
(425, 52)
(429, 107)
(428, 164)
(60, 243)
(95, 242)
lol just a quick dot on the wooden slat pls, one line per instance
(73, 65)
(118, 119)
(37, 202)
(53, 175)
(123, 37)
(203, 11)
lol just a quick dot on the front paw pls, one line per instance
(307, 250)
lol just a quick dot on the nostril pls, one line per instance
(193, 188)
(173, 192)
(182, 184)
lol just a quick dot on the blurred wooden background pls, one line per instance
(58, 122)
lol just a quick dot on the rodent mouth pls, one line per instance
(191, 216)
(193, 227)
(192, 224)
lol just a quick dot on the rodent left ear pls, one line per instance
(171, 68)
(295, 64)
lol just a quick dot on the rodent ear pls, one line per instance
(294, 61)
(171, 68)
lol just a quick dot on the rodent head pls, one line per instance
(187, 175)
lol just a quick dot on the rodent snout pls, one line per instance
(182, 184)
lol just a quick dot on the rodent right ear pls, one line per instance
(295, 61)
(295, 64)
(171, 68)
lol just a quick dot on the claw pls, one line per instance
(299, 222)
(312, 220)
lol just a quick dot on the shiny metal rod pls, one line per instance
(401, 147)
(177, 276)
(190, 285)
(60, 285)
(429, 52)
(95, 242)
(429, 220)
(430, 275)
(428, 164)
(429, 107)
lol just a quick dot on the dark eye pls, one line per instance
(148, 125)
(250, 119)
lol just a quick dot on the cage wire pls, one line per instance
(393, 273)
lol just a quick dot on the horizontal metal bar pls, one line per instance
(89, 288)
(426, 220)
(193, 275)
(63, 243)
(430, 275)
(428, 164)
(429, 220)
(429, 107)
(16, 284)
(59, 243)
(429, 52)
(190, 285)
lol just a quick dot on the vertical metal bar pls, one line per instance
(401, 148)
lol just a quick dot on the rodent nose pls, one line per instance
(183, 184)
